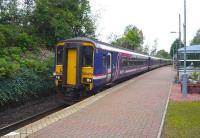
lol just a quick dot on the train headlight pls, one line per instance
(87, 80)
(58, 77)
(54, 74)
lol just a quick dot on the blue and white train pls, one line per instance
(82, 63)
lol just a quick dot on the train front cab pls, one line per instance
(74, 65)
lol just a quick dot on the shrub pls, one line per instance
(3, 52)
(3, 65)
(36, 65)
(15, 57)
(2, 40)
(194, 75)
(24, 40)
(8, 69)
(9, 32)
(24, 78)
(12, 69)
(15, 50)
(26, 85)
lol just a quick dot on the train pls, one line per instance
(85, 64)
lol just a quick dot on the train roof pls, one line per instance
(106, 46)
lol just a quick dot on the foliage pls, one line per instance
(182, 120)
(9, 32)
(154, 48)
(163, 54)
(131, 39)
(26, 85)
(2, 40)
(7, 69)
(196, 39)
(44, 22)
(175, 45)
(24, 40)
(31, 78)
(9, 13)
(24, 75)
(61, 20)
(35, 65)
(15, 50)
(146, 49)
(194, 75)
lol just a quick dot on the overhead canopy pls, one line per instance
(190, 49)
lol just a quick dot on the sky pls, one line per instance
(156, 19)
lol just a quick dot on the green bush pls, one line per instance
(12, 36)
(8, 69)
(15, 50)
(26, 85)
(3, 65)
(24, 76)
(36, 65)
(9, 32)
(15, 57)
(3, 52)
(12, 69)
(2, 40)
(24, 40)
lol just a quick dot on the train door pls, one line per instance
(109, 69)
(71, 66)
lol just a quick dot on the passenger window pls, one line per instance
(124, 62)
(108, 61)
(104, 60)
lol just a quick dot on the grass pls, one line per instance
(182, 120)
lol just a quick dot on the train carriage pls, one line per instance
(82, 63)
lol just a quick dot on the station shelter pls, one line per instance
(192, 60)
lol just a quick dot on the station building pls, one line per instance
(192, 59)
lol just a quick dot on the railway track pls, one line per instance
(18, 124)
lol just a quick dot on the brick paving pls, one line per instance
(176, 94)
(135, 110)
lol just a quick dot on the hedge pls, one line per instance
(26, 85)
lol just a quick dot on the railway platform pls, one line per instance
(134, 108)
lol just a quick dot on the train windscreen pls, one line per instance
(87, 56)
(59, 55)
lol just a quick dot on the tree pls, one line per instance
(131, 39)
(63, 19)
(146, 49)
(196, 39)
(175, 45)
(45, 21)
(163, 54)
(27, 10)
(9, 12)
(154, 48)
(112, 38)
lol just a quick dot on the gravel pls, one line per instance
(31, 108)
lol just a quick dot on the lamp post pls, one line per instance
(178, 46)
(179, 32)
(184, 76)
